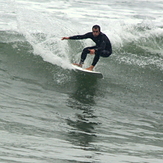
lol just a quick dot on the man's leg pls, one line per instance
(103, 53)
(84, 54)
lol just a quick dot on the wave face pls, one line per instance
(49, 113)
(136, 40)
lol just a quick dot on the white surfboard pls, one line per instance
(93, 73)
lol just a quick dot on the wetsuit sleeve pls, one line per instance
(77, 37)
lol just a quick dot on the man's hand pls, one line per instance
(92, 51)
(65, 38)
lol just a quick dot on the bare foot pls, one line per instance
(90, 68)
(79, 65)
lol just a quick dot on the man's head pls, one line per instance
(96, 30)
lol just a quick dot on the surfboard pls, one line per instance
(87, 72)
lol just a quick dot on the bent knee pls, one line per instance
(86, 50)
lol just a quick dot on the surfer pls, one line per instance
(102, 48)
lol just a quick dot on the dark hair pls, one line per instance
(96, 26)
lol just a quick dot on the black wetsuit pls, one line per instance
(103, 46)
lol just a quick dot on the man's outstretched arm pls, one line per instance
(65, 38)
(76, 37)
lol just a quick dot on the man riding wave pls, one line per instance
(102, 48)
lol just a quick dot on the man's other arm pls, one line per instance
(77, 37)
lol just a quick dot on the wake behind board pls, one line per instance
(87, 72)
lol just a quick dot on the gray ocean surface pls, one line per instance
(51, 114)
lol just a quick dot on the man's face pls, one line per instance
(96, 32)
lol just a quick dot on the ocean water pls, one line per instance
(51, 114)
